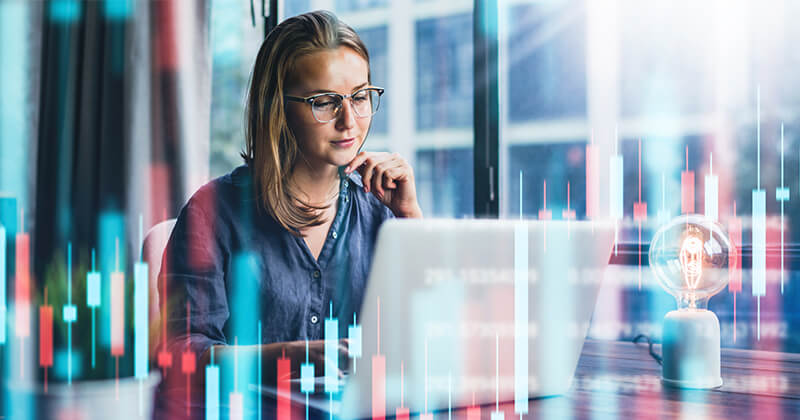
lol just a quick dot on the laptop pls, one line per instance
(469, 312)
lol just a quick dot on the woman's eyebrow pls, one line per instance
(314, 92)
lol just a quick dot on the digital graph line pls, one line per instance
(70, 313)
(3, 284)
(545, 214)
(759, 222)
(711, 191)
(497, 414)
(782, 196)
(188, 361)
(378, 373)
(616, 189)
(735, 261)
(22, 291)
(521, 317)
(568, 214)
(93, 301)
(640, 212)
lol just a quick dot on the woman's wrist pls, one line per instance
(414, 213)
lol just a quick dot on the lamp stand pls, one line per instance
(691, 355)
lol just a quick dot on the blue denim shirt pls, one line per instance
(232, 266)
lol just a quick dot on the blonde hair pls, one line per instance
(271, 149)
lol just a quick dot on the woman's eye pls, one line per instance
(323, 104)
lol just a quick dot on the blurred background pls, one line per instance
(116, 111)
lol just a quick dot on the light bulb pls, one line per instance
(689, 256)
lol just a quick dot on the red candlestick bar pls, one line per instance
(474, 413)
(188, 362)
(378, 375)
(569, 213)
(591, 179)
(45, 337)
(687, 188)
(545, 214)
(22, 286)
(117, 314)
(284, 387)
(735, 261)
(378, 387)
(402, 413)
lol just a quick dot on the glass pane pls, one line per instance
(234, 46)
(377, 42)
(422, 55)
(444, 72)
(692, 98)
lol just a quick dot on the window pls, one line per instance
(423, 56)
(668, 87)
(671, 88)
(234, 46)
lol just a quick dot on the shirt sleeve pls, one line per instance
(192, 274)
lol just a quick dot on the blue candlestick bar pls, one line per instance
(759, 220)
(2, 284)
(354, 337)
(496, 414)
(307, 378)
(93, 298)
(140, 320)
(331, 353)
(521, 318)
(70, 313)
(212, 389)
(782, 195)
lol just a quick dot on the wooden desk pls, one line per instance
(618, 379)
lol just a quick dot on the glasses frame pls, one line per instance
(310, 101)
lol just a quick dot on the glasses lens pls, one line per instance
(366, 102)
(326, 107)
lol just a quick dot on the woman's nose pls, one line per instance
(347, 117)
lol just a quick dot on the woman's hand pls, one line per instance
(391, 179)
(296, 351)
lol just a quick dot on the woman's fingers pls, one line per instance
(379, 171)
(397, 173)
(356, 162)
(367, 170)
(389, 171)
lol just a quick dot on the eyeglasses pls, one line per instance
(326, 106)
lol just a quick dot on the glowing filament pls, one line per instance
(691, 258)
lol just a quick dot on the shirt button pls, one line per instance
(334, 235)
(314, 318)
(316, 274)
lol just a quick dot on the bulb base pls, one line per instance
(691, 353)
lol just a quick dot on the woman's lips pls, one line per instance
(344, 143)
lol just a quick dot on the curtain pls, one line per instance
(123, 134)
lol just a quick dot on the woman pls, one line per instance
(289, 236)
